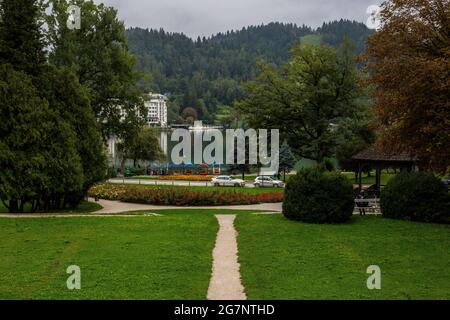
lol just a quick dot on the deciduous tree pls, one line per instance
(306, 98)
(98, 55)
(409, 63)
(144, 146)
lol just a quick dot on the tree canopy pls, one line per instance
(98, 55)
(51, 150)
(409, 63)
(21, 41)
(307, 98)
(143, 146)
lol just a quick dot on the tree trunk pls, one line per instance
(13, 206)
(122, 167)
(34, 205)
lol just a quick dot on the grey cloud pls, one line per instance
(206, 17)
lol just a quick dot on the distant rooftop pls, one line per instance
(155, 96)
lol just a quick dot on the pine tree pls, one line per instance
(21, 42)
(50, 144)
(38, 155)
(287, 159)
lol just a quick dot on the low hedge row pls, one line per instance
(180, 196)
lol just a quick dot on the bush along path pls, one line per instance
(225, 281)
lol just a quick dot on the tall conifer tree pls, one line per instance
(21, 42)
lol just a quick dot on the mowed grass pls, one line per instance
(365, 179)
(84, 207)
(166, 257)
(281, 259)
(170, 257)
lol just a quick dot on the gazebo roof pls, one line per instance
(375, 154)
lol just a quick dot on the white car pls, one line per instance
(227, 181)
(268, 182)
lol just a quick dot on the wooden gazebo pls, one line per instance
(373, 157)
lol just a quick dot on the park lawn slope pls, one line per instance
(166, 257)
(282, 259)
(84, 207)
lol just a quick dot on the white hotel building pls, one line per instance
(157, 110)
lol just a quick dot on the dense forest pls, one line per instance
(202, 77)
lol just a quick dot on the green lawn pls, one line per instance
(385, 177)
(84, 207)
(281, 259)
(169, 257)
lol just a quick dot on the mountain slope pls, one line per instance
(205, 73)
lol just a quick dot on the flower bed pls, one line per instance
(187, 178)
(180, 196)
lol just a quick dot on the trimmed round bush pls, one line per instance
(417, 196)
(314, 196)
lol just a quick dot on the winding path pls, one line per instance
(118, 207)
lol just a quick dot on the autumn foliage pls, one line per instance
(409, 63)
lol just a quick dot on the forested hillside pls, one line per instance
(204, 75)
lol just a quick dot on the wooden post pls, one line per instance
(378, 179)
(360, 176)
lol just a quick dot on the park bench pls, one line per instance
(369, 205)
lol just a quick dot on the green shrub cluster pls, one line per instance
(314, 196)
(418, 196)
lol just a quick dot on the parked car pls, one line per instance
(227, 181)
(268, 182)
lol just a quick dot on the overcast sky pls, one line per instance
(207, 17)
